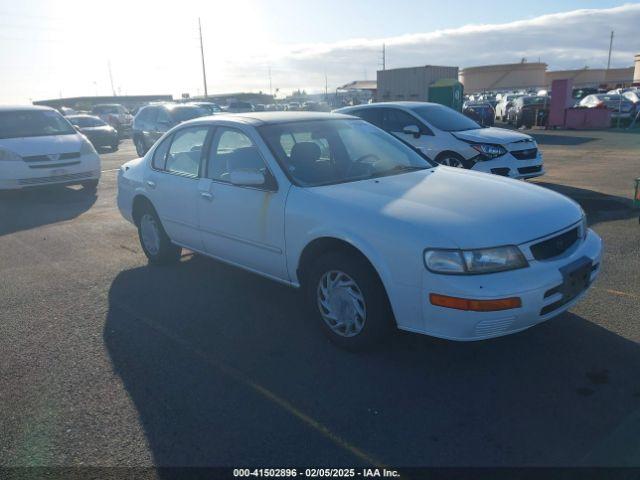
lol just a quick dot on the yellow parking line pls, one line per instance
(618, 293)
(240, 377)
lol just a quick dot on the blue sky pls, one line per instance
(51, 48)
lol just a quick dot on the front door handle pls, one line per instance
(151, 184)
(206, 195)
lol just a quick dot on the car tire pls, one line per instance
(355, 314)
(114, 147)
(140, 147)
(154, 240)
(90, 185)
(451, 159)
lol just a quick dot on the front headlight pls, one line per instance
(9, 156)
(489, 150)
(471, 262)
(87, 147)
(583, 227)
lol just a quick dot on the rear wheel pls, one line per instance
(154, 240)
(114, 147)
(348, 300)
(140, 146)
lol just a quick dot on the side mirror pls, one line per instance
(246, 178)
(412, 130)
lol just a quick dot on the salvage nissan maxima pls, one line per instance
(375, 234)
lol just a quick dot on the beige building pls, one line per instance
(510, 76)
(593, 77)
(636, 73)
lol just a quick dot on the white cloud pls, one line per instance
(564, 40)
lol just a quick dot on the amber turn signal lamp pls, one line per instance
(475, 305)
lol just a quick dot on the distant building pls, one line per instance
(130, 102)
(225, 98)
(636, 72)
(509, 76)
(594, 77)
(411, 84)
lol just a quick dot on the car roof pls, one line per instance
(22, 108)
(83, 115)
(407, 105)
(271, 118)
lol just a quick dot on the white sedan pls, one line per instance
(450, 138)
(376, 235)
(38, 146)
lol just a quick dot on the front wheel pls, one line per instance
(348, 300)
(154, 240)
(451, 159)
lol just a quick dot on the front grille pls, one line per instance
(554, 246)
(488, 328)
(55, 179)
(525, 170)
(47, 158)
(55, 165)
(500, 171)
(528, 154)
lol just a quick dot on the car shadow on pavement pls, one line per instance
(226, 368)
(30, 208)
(599, 207)
(559, 139)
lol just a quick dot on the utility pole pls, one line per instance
(204, 72)
(384, 57)
(113, 90)
(270, 84)
(610, 47)
(326, 87)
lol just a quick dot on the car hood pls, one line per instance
(491, 135)
(25, 146)
(469, 209)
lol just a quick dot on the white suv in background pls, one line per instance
(450, 138)
(38, 146)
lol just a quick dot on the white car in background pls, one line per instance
(504, 103)
(38, 146)
(375, 234)
(450, 138)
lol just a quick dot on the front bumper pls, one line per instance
(15, 175)
(535, 285)
(509, 166)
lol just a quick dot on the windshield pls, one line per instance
(335, 151)
(445, 118)
(182, 114)
(33, 123)
(86, 122)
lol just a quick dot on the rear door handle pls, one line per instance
(151, 184)
(206, 195)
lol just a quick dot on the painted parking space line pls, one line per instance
(618, 293)
(110, 170)
(261, 390)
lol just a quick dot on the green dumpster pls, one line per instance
(636, 194)
(447, 91)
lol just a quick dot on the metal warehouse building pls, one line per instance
(636, 72)
(411, 84)
(508, 76)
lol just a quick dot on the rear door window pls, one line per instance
(185, 153)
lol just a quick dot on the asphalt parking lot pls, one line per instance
(105, 360)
